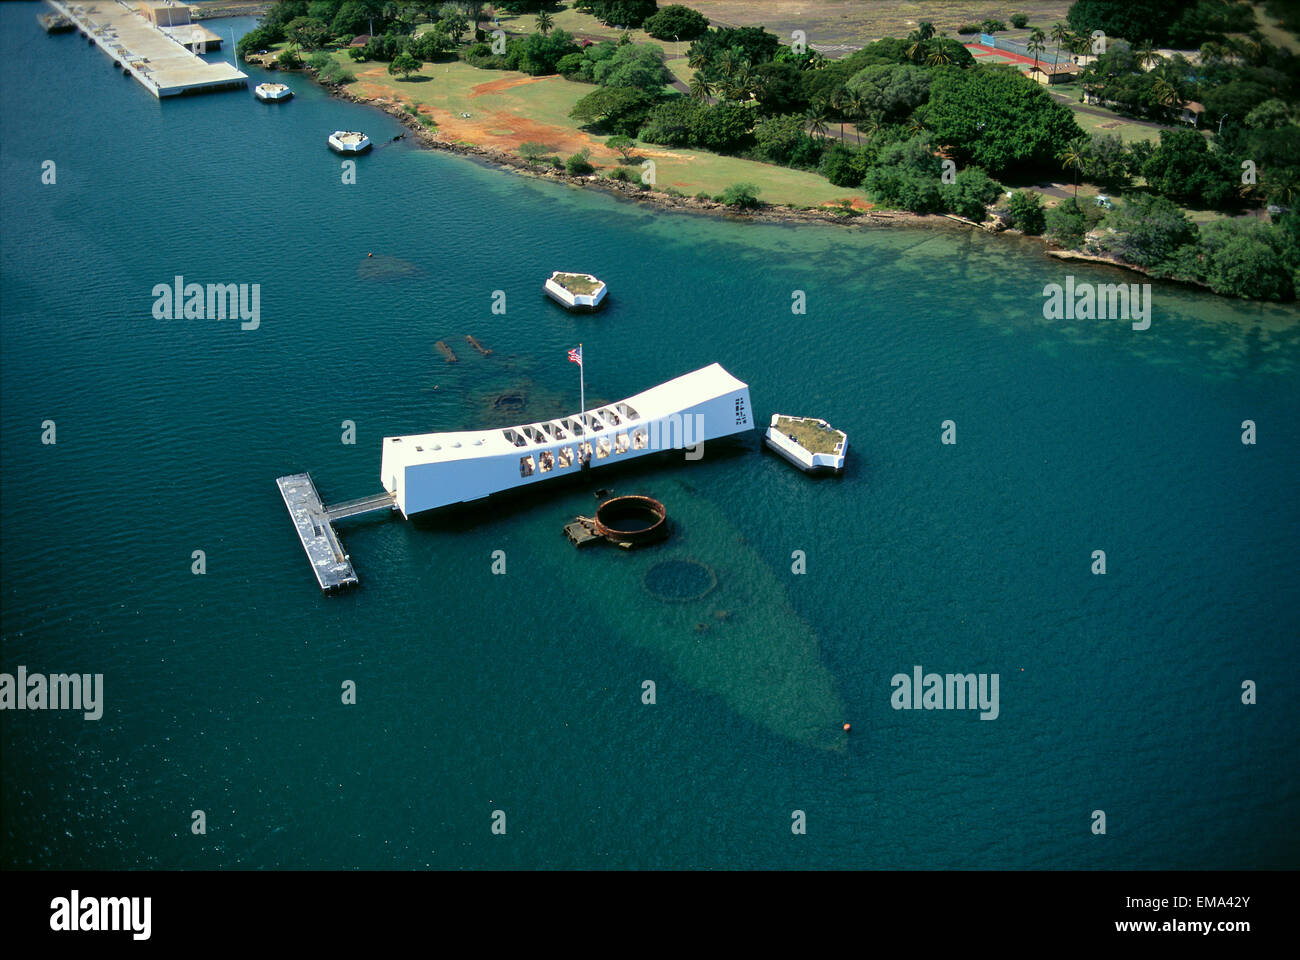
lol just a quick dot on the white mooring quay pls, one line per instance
(161, 61)
(315, 525)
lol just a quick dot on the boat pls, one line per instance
(431, 470)
(810, 444)
(270, 92)
(349, 141)
(55, 23)
(575, 291)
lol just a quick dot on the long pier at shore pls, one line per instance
(163, 65)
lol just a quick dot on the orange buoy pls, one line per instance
(369, 254)
(848, 727)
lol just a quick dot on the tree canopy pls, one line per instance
(998, 119)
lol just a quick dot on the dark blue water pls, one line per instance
(522, 692)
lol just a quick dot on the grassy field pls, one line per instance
(854, 23)
(507, 109)
(1112, 123)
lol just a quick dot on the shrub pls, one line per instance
(624, 145)
(1018, 20)
(969, 28)
(620, 174)
(404, 64)
(1065, 223)
(703, 195)
(785, 140)
(289, 59)
(1025, 212)
(742, 196)
(1241, 262)
(971, 194)
(671, 123)
(319, 60)
(570, 66)
(992, 26)
(578, 165)
(844, 166)
(1149, 230)
(532, 151)
(722, 127)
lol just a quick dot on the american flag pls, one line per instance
(575, 355)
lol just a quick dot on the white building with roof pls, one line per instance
(429, 470)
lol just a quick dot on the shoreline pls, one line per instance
(767, 213)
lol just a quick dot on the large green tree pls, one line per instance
(1184, 168)
(891, 91)
(637, 65)
(676, 22)
(998, 119)
(613, 109)
(622, 13)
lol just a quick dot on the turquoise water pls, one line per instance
(522, 692)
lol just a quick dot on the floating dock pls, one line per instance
(315, 525)
(164, 66)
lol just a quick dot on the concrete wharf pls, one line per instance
(162, 65)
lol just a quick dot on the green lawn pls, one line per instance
(517, 108)
(813, 437)
(1111, 123)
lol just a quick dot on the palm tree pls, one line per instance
(742, 82)
(939, 56)
(1146, 54)
(728, 62)
(1072, 157)
(873, 125)
(544, 23)
(815, 117)
(696, 59)
(919, 41)
(1035, 44)
(701, 89)
(837, 101)
(1166, 94)
(857, 108)
(1060, 33)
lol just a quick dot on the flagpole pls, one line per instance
(582, 394)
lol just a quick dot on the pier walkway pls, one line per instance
(162, 65)
(354, 508)
(314, 523)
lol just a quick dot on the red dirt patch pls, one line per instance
(857, 203)
(505, 83)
